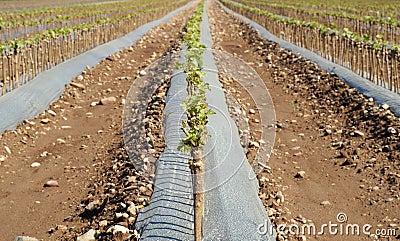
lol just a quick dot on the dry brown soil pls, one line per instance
(318, 119)
(81, 147)
(333, 151)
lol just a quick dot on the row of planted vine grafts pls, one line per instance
(11, 6)
(22, 61)
(13, 26)
(197, 112)
(386, 27)
(371, 59)
(50, 12)
(372, 8)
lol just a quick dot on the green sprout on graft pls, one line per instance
(195, 105)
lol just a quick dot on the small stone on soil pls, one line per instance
(325, 203)
(80, 77)
(279, 197)
(300, 174)
(88, 236)
(93, 205)
(8, 150)
(108, 100)
(45, 121)
(389, 200)
(35, 164)
(61, 141)
(391, 130)
(132, 209)
(254, 144)
(25, 238)
(51, 112)
(77, 85)
(385, 106)
(103, 223)
(120, 229)
(51, 183)
(358, 133)
(62, 227)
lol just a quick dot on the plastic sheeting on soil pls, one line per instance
(169, 216)
(34, 97)
(172, 187)
(233, 210)
(369, 89)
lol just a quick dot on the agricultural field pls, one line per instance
(36, 40)
(12, 6)
(202, 127)
(368, 45)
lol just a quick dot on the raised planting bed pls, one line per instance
(172, 209)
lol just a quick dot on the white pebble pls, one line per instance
(61, 141)
(325, 203)
(35, 164)
(385, 106)
(7, 150)
(120, 229)
(52, 112)
(51, 183)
